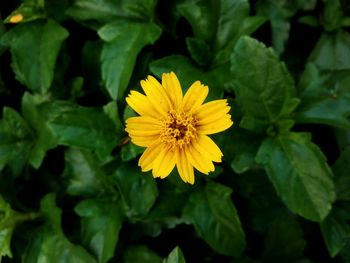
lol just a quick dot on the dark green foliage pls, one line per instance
(71, 189)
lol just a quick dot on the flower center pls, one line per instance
(178, 129)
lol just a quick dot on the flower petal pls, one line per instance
(208, 148)
(173, 88)
(156, 95)
(146, 160)
(210, 108)
(164, 163)
(215, 127)
(143, 126)
(195, 96)
(144, 141)
(184, 167)
(199, 161)
(140, 103)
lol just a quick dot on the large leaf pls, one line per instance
(216, 79)
(218, 24)
(35, 47)
(89, 128)
(324, 99)
(84, 175)
(214, 216)
(263, 86)
(131, 180)
(299, 173)
(49, 244)
(101, 222)
(124, 40)
(332, 51)
(336, 229)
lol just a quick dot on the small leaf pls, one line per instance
(175, 256)
(263, 86)
(336, 230)
(323, 99)
(37, 111)
(34, 47)
(16, 140)
(7, 226)
(218, 24)
(130, 151)
(287, 160)
(131, 180)
(101, 222)
(215, 219)
(341, 170)
(332, 51)
(125, 39)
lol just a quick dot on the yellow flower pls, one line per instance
(174, 127)
(16, 18)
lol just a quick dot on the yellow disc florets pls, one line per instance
(178, 129)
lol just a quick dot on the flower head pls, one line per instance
(174, 127)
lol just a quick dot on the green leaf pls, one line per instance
(332, 51)
(332, 15)
(341, 170)
(124, 40)
(140, 254)
(241, 156)
(101, 222)
(336, 230)
(219, 24)
(16, 140)
(7, 226)
(130, 180)
(199, 50)
(324, 99)
(49, 244)
(9, 220)
(88, 128)
(96, 13)
(215, 219)
(216, 79)
(34, 48)
(264, 88)
(279, 14)
(175, 256)
(284, 241)
(130, 151)
(287, 160)
(38, 111)
(84, 175)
